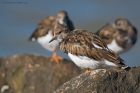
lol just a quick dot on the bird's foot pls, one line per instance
(87, 71)
(55, 58)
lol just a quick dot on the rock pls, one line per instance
(34, 74)
(104, 81)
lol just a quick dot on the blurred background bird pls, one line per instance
(44, 32)
(120, 35)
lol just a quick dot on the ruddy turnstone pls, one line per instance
(87, 50)
(63, 23)
(120, 36)
(44, 32)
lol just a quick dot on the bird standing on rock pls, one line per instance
(87, 50)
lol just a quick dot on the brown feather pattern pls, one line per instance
(122, 31)
(80, 43)
(43, 27)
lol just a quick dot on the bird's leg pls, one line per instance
(56, 58)
(87, 71)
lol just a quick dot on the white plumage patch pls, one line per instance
(86, 62)
(44, 41)
(115, 47)
(61, 21)
(95, 45)
(108, 63)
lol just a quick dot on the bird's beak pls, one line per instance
(54, 38)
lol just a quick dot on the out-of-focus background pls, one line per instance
(19, 18)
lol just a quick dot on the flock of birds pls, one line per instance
(86, 49)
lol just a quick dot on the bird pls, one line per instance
(87, 50)
(120, 36)
(63, 22)
(45, 29)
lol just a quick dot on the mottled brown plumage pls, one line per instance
(106, 33)
(126, 32)
(83, 43)
(122, 31)
(43, 27)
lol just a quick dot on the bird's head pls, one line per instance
(62, 16)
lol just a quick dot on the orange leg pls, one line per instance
(87, 71)
(55, 58)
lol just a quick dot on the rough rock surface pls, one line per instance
(34, 74)
(104, 81)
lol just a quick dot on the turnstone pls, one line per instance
(87, 50)
(120, 36)
(44, 32)
(63, 23)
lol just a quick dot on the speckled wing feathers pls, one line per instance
(80, 43)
